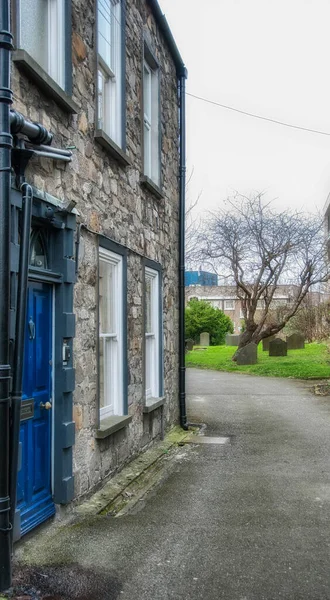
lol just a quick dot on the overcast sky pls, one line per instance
(270, 57)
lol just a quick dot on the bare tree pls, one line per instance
(259, 249)
(192, 227)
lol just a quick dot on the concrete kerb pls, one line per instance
(100, 501)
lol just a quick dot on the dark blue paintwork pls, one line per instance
(34, 495)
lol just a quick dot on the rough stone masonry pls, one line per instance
(111, 201)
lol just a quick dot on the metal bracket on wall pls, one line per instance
(19, 159)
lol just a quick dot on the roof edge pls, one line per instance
(167, 33)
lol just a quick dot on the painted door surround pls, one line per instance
(56, 227)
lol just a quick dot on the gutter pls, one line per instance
(164, 27)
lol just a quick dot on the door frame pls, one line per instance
(59, 231)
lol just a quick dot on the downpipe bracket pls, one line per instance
(6, 40)
(5, 508)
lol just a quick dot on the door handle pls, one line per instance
(32, 329)
(46, 405)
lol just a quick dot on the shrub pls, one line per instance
(201, 316)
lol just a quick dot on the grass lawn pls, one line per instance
(311, 363)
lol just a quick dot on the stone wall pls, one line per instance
(111, 201)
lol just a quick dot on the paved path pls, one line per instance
(249, 520)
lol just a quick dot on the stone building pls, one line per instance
(101, 352)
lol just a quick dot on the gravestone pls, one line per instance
(266, 341)
(296, 341)
(278, 347)
(232, 339)
(189, 345)
(247, 355)
(204, 339)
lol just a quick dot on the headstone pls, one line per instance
(232, 339)
(189, 345)
(296, 341)
(204, 339)
(278, 347)
(266, 341)
(247, 355)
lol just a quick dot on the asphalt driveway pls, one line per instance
(245, 520)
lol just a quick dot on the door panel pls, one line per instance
(34, 499)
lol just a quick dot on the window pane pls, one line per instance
(101, 367)
(147, 150)
(148, 296)
(34, 30)
(151, 123)
(150, 351)
(106, 297)
(152, 341)
(37, 252)
(110, 65)
(109, 33)
(107, 377)
(104, 30)
(147, 93)
(100, 100)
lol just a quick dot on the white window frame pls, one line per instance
(151, 122)
(152, 340)
(56, 40)
(110, 74)
(113, 375)
(232, 302)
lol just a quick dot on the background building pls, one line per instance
(200, 278)
(225, 298)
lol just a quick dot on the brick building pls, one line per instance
(102, 344)
(225, 298)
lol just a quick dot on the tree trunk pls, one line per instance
(251, 334)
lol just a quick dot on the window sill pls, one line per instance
(29, 66)
(110, 425)
(103, 139)
(153, 403)
(147, 183)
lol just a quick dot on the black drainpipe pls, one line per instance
(182, 191)
(5, 178)
(16, 395)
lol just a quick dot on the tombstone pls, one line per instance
(204, 339)
(189, 345)
(247, 355)
(265, 342)
(232, 339)
(296, 341)
(278, 347)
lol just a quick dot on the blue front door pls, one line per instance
(34, 494)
